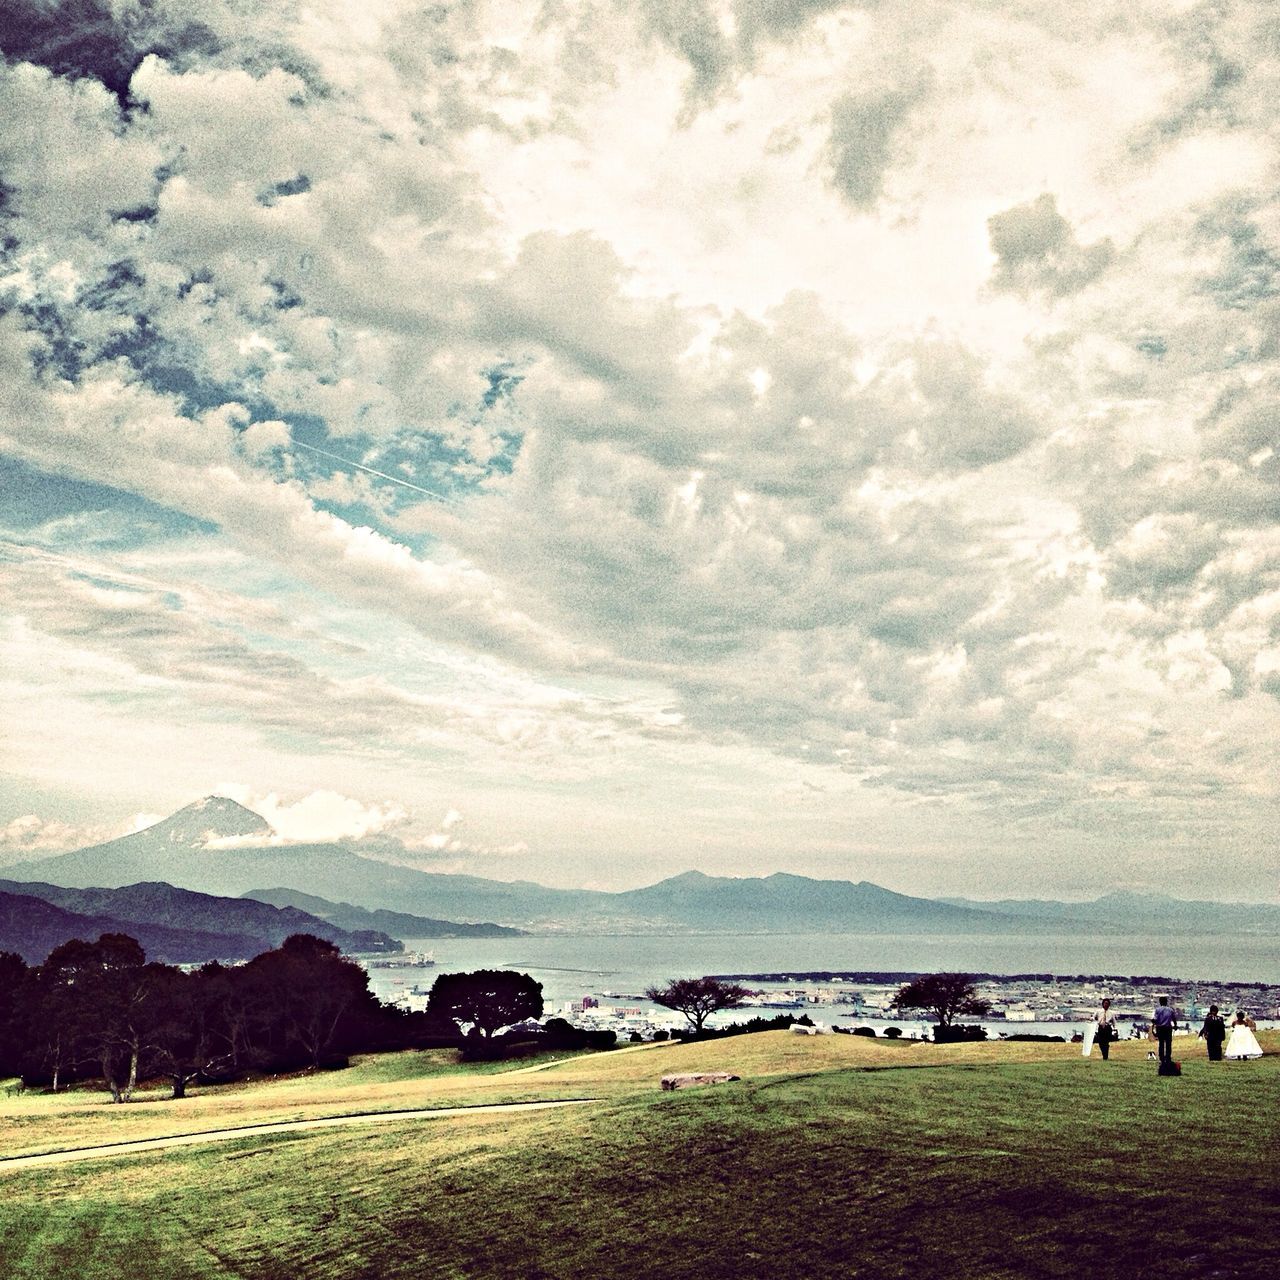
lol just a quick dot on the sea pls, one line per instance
(617, 968)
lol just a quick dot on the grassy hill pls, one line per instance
(833, 1156)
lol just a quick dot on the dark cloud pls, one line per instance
(1248, 270)
(864, 130)
(82, 38)
(691, 31)
(782, 19)
(1036, 250)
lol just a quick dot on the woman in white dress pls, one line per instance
(1243, 1043)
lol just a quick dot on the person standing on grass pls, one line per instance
(1162, 1024)
(1213, 1033)
(1106, 1032)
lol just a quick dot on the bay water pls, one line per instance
(617, 966)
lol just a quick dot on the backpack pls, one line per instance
(1169, 1069)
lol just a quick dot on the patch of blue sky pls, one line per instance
(413, 468)
(417, 465)
(435, 460)
(59, 512)
(346, 645)
(113, 583)
(343, 643)
(164, 369)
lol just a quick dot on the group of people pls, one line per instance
(1242, 1043)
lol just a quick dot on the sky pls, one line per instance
(585, 441)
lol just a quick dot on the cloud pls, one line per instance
(526, 408)
(318, 818)
(384, 830)
(448, 844)
(866, 130)
(30, 836)
(1036, 249)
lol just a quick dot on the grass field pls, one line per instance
(835, 1156)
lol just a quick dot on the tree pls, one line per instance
(945, 995)
(488, 999)
(306, 991)
(100, 992)
(187, 1039)
(13, 981)
(698, 998)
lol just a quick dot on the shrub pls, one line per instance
(780, 1023)
(893, 1033)
(866, 1031)
(957, 1033)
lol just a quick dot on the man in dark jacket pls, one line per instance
(1214, 1033)
(1163, 1024)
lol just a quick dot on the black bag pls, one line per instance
(1169, 1069)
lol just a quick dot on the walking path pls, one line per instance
(283, 1126)
(612, 1053)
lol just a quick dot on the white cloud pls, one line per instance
(31, 836)
(887, 391)
(317, 818)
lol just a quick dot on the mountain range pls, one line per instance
(33, 927)
(217, 846)
(400, 924)
(176, 925)
(1142, 912)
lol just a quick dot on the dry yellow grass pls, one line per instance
(971, 1161)
(32, 1123)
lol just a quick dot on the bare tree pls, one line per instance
(698, 998)
(945, 995)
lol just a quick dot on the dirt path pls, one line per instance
(612, 1053)
(283, 1126)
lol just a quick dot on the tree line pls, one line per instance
(99, 1010)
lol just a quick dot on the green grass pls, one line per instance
(829, 1159)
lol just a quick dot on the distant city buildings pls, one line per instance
(1019, 1004)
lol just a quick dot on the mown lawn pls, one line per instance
(826, 1160)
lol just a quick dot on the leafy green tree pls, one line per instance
(945, 995)
(698, 998)
(487, 999)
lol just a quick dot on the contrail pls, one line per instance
(382, 475)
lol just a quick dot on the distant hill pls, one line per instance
(800, 904)
(147, 855)
(33, 928)
(1145, 911)
(187, 850)
(178, 852)
(249, 927)
(397, 923)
